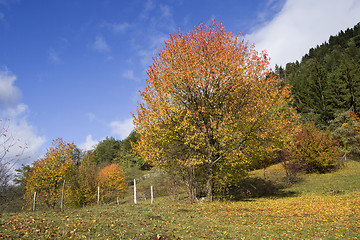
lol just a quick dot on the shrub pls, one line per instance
(48, 173)
(83, 187)
(312, 150)
(346, 130)
(112, 182)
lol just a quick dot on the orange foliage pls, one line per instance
(313, 150)
(112, 181)
(211, 102)
(355, 118)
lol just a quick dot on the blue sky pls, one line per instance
(73, 69)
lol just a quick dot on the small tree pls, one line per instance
(8, 146)
(346, 131)
(112, 183)
(21, 175)
(48, 173)
(313, 150)
(82, 190)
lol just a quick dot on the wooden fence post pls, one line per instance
(152, 194)
(34, 201)
(135, 191)
(98, 196)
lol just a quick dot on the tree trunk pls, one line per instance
(209, 182)
(209, 166)
(191, 184)
(62, 196)
(192, 193)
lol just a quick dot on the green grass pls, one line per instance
(345, 180)
(312, 212)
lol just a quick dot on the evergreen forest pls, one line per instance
(326, 82)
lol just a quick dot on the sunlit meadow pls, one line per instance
(323, 206)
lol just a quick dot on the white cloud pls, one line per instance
(19, 131)
(54, 56)
(89, 144)
(25, 136)
(155, 42)
(117, 27)
(122, 128)
(269, 8)
(9, 94)
(160, 22)
(129, 74)
(120, 27)
(91, 116)
(301, 25)
(166, 11)
(15, 111)
(148, 7)
(100, 45)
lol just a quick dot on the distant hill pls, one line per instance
(327, 80)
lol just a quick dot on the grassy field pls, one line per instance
(323, 206)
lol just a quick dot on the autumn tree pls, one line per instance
(111, 180)
(210, 103)
(48, 173)
(346, 130)
(313, 150)
(83, 179)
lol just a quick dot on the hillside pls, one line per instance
(312, 210)
(326, 81)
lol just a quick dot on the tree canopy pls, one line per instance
(211, 105)
(49, 172)
(111, 180)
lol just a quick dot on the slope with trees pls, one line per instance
(211, 112)
(326, 81)
(111, 150)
